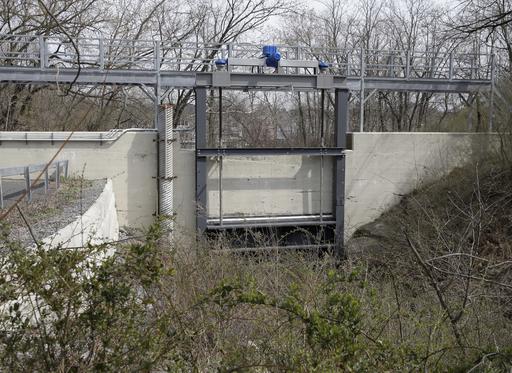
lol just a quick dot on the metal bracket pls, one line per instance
(169, 178)
(168, 141)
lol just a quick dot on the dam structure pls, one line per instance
(199, 189)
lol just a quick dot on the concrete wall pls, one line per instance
(97, 225)
(130, 161)
(384, 166)
(185, 189)
(380, 168)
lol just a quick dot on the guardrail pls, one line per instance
(80, 136)
(26, 171)
(152, 55)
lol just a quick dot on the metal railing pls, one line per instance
(61, 167)
(78, 136)
(147, 55)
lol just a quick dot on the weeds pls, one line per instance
(436, 298)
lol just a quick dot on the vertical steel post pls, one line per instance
(46, 181)
(42, 52)
(361, 90)
(220, 157)
(158, 88)
(491, 103)
(297, 57)
(156, 103)
(57, 175)
(230, 54)
(159, 124)
(407, 64)
(322, 144)
(156, 51)
(201, 162)
(27, 184)
(341, 117)
(1, 194)
(472, 68)
(450, 71)
(101, 52)
(160, 159)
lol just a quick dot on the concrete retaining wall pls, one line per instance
(384, 166)
(97, 225)
(130, 161)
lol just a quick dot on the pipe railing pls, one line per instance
(81, 136)
(149, 55)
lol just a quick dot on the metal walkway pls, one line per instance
(42, 59)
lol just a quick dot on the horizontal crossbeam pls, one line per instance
(244, 81)
(280, 221)
(226, 152)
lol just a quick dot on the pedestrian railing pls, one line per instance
(60, 167)
(46, 52)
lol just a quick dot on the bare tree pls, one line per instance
(226, 22)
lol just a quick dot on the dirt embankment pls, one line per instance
(458, 229)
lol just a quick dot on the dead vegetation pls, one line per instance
(434, 297)
(449, 244)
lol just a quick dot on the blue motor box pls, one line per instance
(272, 56)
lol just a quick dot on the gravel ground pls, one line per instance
(58, 209)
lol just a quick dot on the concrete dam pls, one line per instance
(213, 190)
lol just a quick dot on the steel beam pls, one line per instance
(272, 221)
(86, 76)
(201, 162)
(341, 118)
(418, 84)
(310, 82)
(271, 224)
(322, 144)
(273, 248)
(221, 159)
(187, 79)
(223, 152)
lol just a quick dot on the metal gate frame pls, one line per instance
(203, 153)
